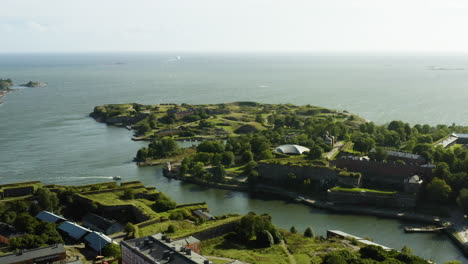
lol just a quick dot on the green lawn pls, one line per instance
(183, 227)
(114, 198)
(309, 250)
(227, 248)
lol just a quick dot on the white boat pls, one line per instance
(117, 178)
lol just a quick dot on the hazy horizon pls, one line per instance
(430, 26)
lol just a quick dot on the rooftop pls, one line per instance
(97, 241)
(291, 149)
(33, 254)
(158, 249)
(461, 135)
(73, 230)
(47, 216)
(405, 155)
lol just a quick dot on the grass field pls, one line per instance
(227, 248)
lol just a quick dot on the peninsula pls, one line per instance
(329, 159)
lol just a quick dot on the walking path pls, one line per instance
(292, 260)
(225, 259)
(334, 150)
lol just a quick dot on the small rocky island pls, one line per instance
(32, 84)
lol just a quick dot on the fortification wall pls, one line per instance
(383, 173)
(279, 173)
(216, 231)
(18, 191)
(372, 199)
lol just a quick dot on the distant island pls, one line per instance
(7, 84)
(325, 158)
(34, 84)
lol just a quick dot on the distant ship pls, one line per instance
(117, 178)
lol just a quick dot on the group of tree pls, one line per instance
(5, 84)
(38, 233)
(159, 148)
(257, 229)
(163, 203)
(372, 254)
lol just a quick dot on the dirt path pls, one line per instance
(292, 260)
(221, 258)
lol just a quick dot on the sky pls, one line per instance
(234, 26)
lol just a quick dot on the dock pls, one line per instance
(424, 229)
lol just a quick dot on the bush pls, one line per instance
(128, 194)
(264, 239)
(308, 232)
(171, 229)
(293, 230)
(112, 250)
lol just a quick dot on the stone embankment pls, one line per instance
(458, 232)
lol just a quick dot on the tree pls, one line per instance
(442, 171)
(293, 230)
(142, 154)
(143, 128)
(252, 225)
(315, 153)
(364, 144)
(163, 148)
(112, 250)
(198, 170)
(265, 239)
(163, 203)
(211, 147)
(47, 200)
(128, 194)
(308, 232)
(335, 259)
(227, 158)
(24, 222)
(264, 155)
(407, 250)
(438, 190)
(247, 156)
(129, 229)
(171, 229)
(462, 199)
(379, 154)
(219, 173)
